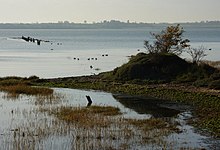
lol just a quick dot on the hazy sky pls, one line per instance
(98, 10)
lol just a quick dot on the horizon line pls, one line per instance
(110, 21)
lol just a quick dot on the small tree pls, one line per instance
(168, 41)
(197, 54)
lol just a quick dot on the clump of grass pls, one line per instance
(153, 123)
(87, 117)
(105, 110)
(42, 95)
(15, 90)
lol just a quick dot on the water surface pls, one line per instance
(59, 57)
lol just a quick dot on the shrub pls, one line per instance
(168, 41)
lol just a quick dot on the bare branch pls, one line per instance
(197, 54)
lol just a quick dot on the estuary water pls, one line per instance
(76, 52)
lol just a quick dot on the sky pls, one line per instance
(149, 11)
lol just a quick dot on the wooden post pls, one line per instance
(89, 100)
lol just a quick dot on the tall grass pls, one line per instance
(98, 127)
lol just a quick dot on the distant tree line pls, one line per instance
(115, 24)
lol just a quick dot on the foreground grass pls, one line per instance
(105, 123)
(87, 128)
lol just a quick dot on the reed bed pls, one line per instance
(85, 128)
(41, 95)
(104, 127)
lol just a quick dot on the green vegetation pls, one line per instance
(168, 41)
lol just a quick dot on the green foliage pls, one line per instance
(168, 41)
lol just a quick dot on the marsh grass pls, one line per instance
(25, 89)
(88, 116)
(38, 95)
(104, 127)
(151, 124)
(48, 99)
(85, 128)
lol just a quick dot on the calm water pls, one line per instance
(59, 57)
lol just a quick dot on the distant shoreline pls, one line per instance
(113, 24)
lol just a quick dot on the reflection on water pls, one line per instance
(25, 124)
(155, 107)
